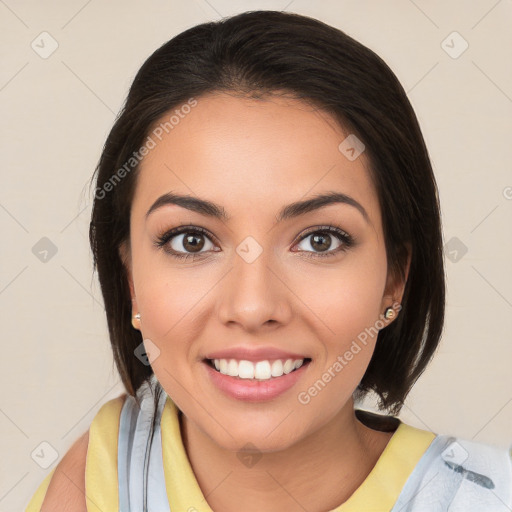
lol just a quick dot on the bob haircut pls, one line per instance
(258, 54)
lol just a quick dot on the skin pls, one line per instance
(253, 156)
(66, 490)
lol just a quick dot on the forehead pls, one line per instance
(251, 154)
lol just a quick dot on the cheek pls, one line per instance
(173, 319)
(347, 300)
(169, 302)
(347, 305)
(167, 296)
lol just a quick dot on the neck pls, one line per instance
(318, 473)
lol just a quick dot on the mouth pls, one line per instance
(265, 370)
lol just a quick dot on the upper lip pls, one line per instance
(254, 354)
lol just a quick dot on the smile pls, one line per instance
(255, 381)
(256, 370)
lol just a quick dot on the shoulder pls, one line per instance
(66, 491)
(67, 488)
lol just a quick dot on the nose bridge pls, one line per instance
(253, 294)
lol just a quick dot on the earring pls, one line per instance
(135, 318)
(389, 313)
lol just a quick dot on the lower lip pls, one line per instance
(253, 390)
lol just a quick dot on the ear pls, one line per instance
(125, 255)
(395, 283)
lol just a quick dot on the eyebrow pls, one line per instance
(296, 209)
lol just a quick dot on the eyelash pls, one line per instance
(162, 240)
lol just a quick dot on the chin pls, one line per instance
(264, 437)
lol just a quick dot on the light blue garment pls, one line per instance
(140, 462)
(456, 475)
(453, 475)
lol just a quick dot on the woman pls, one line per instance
(267, 237)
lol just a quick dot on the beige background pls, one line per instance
(56, 370)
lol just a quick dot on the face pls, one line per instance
(257, 285)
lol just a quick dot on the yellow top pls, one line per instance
(379, 491)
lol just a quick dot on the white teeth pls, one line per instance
(277, 368)
(245, 369)
(288, 366)
(232, 368)
(262, 370)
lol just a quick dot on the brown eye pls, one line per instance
(192, 242)
(184, 242)
(189, 242)
(320, 241)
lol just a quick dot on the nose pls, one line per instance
(253, 295)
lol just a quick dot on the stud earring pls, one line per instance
(135, 318)
(389, 313)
